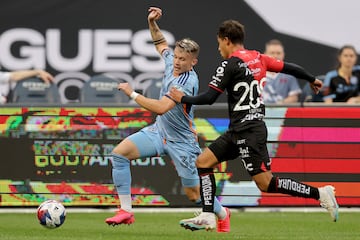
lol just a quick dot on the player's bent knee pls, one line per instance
(262, 186)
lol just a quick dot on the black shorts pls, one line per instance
(248, 145)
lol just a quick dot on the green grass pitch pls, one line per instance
(155, 226)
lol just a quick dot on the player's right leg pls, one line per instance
(326, 194)
(127, 150)
(260, 171)
(206, 220)
(121, 156)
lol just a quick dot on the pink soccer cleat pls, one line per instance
(121, 217)
(224, 224)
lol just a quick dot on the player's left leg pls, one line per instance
(205, 164)
(222, 213)
(205, 220)
(273, 184)
(184, 156)
(260, 170)
(121, 156)
(141, 144)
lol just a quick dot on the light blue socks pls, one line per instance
(121, 174)
(218, 209)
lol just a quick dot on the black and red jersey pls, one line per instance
(242, 76)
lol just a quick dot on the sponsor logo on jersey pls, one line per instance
(216, 79)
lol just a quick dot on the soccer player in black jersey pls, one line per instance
(241, 74)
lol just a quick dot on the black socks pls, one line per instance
(207, 188)
(293, 188)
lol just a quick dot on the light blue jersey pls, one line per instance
(178, 123)
(329, 75)
(173, 133)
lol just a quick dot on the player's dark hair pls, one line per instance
(233, 30)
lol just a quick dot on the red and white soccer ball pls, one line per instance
(51, 214)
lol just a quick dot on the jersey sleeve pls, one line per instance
(168, 56)
(272, 64)
(221, 77)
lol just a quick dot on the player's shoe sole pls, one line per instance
(195, 227)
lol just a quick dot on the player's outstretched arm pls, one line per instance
(300, 72)
(204, 98)
(158, 106)
(157, 36)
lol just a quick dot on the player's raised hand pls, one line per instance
(176, 94)
(155, 13)
(316, 86)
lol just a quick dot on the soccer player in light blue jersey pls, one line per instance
(173, 132)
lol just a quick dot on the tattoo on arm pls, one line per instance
(159, 41)
(156, 34)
